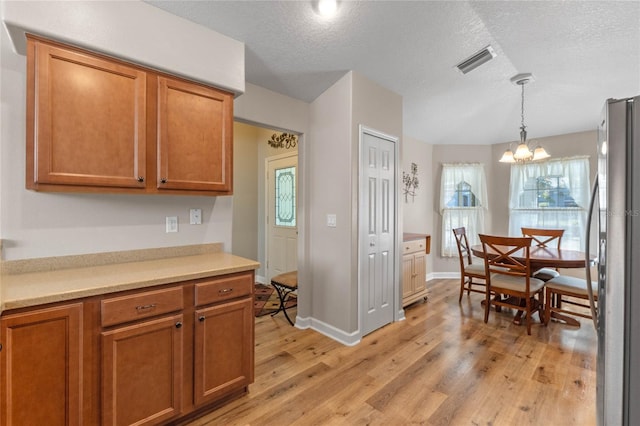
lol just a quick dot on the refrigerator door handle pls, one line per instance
(587, 259)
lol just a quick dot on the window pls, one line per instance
(285, 197)
(463, 199)
(552, 194)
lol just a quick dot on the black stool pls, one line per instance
(285, 284)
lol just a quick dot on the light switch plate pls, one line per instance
(195, 216)
(172, 224)
(331, 220)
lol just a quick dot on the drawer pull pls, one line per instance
(225, 291)
(142, 308)
(178, 324)
(201, 318)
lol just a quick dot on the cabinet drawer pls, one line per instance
(225, 288)
(414, 246)
(132, 307)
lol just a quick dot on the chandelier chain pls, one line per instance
(522, 108)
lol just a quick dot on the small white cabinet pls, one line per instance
(415, 248)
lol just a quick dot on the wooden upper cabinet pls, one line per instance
(194, 141)
(97, 124)
(88, 120)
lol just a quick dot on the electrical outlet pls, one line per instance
(195, 216)
(331, 220)
(172, 224)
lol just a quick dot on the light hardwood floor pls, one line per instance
(441, 366)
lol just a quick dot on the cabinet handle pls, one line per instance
(163, 180)
(145, 307)
(140, 179)
(201, 318)
(179, 324)
(225, 291)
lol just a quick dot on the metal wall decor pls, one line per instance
(283, 140)
(410, 182)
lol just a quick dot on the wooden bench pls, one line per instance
(285, 284)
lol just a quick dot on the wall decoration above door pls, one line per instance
(283, 140)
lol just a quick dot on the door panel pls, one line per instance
(282, 230)
(377, 231)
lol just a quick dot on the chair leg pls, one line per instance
(463, 280)
(528, 313)
(547, 306)
(487, 305)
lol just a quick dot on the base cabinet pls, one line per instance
(414, 271)
(42, 362)
(142, 372)
(223, 359)
(142, 357)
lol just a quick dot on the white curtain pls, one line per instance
(455, 216)
(525, 210)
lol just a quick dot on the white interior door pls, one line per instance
(282, 227)
(377, 233)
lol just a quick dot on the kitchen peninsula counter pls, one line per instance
(106, 273)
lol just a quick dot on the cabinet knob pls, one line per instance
(179, 324)
(140, 179)
(163, 180)
(201, 318)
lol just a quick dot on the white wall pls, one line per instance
(418, 214)
(134, 31)
(35, 224)
(330, 193)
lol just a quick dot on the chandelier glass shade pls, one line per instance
(523, 152)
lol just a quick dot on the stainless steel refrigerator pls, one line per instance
(617, 197)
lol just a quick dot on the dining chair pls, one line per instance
(511, 277)
(468, 270)
(565, 289)
(545, 238)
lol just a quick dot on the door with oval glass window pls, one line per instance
(282, 227)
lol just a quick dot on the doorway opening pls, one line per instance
(250, 234)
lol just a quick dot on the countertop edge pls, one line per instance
(34, 289)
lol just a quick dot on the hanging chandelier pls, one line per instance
(523, 152)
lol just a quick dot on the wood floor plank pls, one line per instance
(441, 366)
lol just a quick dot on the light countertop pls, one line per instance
(36, 288)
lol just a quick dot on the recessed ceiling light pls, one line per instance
(327, 7)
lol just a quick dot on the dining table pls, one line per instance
(545, 257)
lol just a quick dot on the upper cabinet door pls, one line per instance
(86, 119)
(194, 137)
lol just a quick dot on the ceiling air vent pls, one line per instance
(477, 59)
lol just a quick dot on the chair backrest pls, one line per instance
(500, 256)
(544, 237)
(463, 245)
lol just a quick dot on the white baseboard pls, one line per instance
(443, 275)
(260, 279)
(347, 339)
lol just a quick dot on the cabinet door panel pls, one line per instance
(407, 275)
(223, 359)
(142, 372)
(194, 141)
(90, 120)
(41, 367)
(420, 271)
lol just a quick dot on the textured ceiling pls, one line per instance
(579, 52)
